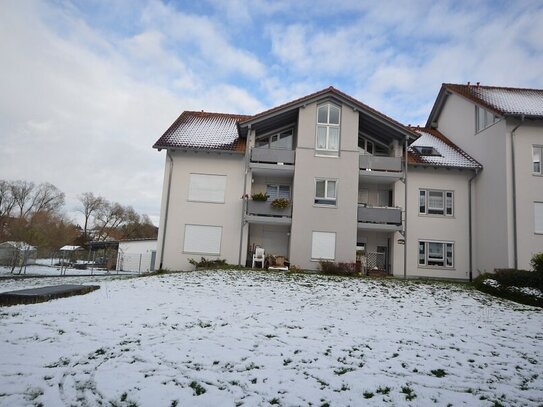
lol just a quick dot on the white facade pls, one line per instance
(341, 167)
(137, 256)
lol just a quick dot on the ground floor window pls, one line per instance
(323, 246)
(437, 254)
(202, 239)
(538, 217)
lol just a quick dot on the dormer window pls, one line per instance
(484, 119)
(328, 121)
(427, 151)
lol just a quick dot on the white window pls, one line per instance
(437, 254)
(484, 118)
(325, 191)
(537, 154)
(433, 202)
(278, 191)
(207, 188)
(202, 239)
(323, 246)
(538, 217)
(328, 119)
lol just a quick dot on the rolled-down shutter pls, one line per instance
(203, 239)
(323, 245)
(207, 188)
(538, 217)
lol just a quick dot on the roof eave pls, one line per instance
(199, 150)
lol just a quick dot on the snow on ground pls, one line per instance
(255, 338)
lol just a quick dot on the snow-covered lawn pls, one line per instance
(255, 338)
(48, 270)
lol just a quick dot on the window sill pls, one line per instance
(334, 154)
(201, 253)
(424, 215)
(535, 174)
(436, 267)
(211, 202)
(319, 260)
(324, 206)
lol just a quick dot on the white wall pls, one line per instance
(529, 190)
(307, 217)
(136, 255)
(492, 222)
(435, 227)
(182, 212)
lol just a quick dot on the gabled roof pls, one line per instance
(204, 131)
(328, 92)
(451, 156)
(513, 102)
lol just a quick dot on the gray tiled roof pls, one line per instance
(204, 130)
(451, 156)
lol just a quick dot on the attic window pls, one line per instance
(428, 151)
(484, 118)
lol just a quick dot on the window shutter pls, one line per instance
(323, 245)
(538, 217)
(203, 239)
(422, 202)
(207, 188)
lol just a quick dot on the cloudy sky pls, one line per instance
(86, 87)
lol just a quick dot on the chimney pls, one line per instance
(469, 83)
(478, 83)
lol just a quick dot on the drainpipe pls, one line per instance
(470, 233)
(243, 206)
(168, 155)
(513, 172)
(405, 211)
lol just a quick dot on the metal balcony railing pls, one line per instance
(376, 163)
(380, 215)
(264, 208)
(272, 156)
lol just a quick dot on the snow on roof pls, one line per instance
(18, 245)
(204, 130)
(506, 101)
(450, 155)
(69, 248)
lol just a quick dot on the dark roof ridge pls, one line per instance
(471, 85)
(206, 113)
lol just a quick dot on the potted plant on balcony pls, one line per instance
(280, 203)
(259, 197)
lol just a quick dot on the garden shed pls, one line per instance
(17, 253)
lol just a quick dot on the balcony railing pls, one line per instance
(376, 163)
(380, 215)
(272, 156)
(264, 208)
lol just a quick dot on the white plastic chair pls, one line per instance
(259, 256)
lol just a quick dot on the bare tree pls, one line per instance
(22, 194)
(7, 201)
(109, 218)
(91, 205)
(47, 198)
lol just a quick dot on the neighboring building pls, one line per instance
(503, 129)
(20, 253)
(342, 167)
(137, 255)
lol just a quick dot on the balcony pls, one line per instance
(380, 169)
(270, 161)
(379, 218)
(262, 212)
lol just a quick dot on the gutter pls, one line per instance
(405, 211)
(166, 209)
(513, 173)
(470, 232)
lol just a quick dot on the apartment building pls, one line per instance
(355, 180)
(503, 129)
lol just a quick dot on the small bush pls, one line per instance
(280, 203)
(507, 278)
(519, 278)
(338, 269)
(537, 262)
(259, 197)
(208, 264)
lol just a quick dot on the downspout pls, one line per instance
(470, 228)
(405, 211)
(513, 172)
(244, 204)
(166, 209)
